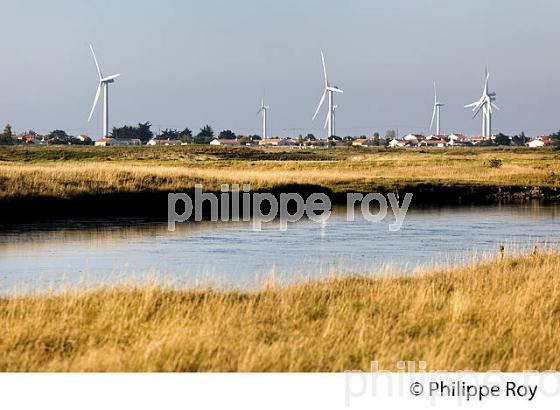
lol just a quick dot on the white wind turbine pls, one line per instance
(103, 84)
(264, 110)
(436, 116)
(485, 104)
(329, 91)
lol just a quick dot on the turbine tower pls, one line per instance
(437, 112)
(334, 108)
(103, 84)
(329, 92)
(485, 104)
(264, 110)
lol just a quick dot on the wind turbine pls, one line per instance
(486, 103)
(437, 112)
(103, 84)
(264, 110)
(329, 91)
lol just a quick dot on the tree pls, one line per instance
(502, 139)
(60, 134)
(186, 136)
(227, 135)
(142, 132)
(244, 140)
(205, 135)
(169, 134)
(556, 139)
(6, 136)
(310, 137)
(376, 140)
(376, 134)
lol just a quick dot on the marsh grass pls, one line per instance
(494, 315)
(65, 172)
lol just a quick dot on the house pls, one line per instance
(83, 138)
(229, 143)
(395, 143)
(360, 142)
(414, 139)
(109, 142)
(277, 142)
(440, 143)
(539, 142)
(154, 141)
(28, 139)
(457, 140)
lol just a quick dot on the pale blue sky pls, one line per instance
(188, 63)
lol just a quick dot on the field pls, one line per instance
(68, 172)
(496, 315)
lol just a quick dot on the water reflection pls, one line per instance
(231, 253)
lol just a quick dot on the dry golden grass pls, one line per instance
(501, 315)
(358, 171)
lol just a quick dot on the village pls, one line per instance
(391, 141)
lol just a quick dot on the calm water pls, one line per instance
(32, 256)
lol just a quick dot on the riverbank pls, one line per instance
(131, 181)
(496, 315)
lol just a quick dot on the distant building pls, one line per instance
(83, 138)
(395, 143)
(414, 139)
(457, 140)
(154, 141)
(360, 142)
(109, 142)
(539, 142)
(28, 139)
(277, 142)
(440, 143)
(217, 141)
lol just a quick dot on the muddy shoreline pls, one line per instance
(154, 204)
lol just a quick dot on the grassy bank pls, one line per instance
(94, 181)
(501, 315)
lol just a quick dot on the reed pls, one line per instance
(501, 314)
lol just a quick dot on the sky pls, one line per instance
(187, 63)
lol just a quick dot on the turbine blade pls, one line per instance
(324, 69)
(327, 120)
(320, 104)
(96, 63)
(97, 94)
(433, 117)
(495, 106)
(435, 93)
(474, 104)
(478, 110)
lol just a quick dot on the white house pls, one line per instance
(394, 143)
(539, 142)
(154, 141)
(457, 139)
(217, 141)
(277, 142)
(414, 139)
(433, 143)
(109, 142)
